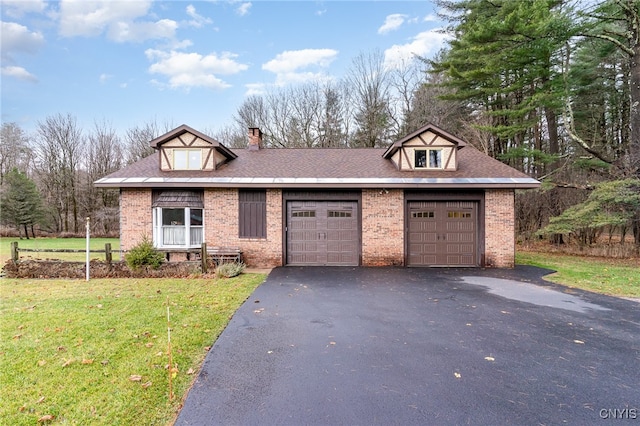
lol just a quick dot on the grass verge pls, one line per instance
(96, 353)
(58, 243)
(608, 276)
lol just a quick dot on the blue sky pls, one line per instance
(191, 62)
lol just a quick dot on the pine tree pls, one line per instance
(504, 61)
(21, 202)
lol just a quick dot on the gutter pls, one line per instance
(406, 183)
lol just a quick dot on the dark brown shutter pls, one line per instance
(253, 213)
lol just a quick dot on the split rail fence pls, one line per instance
(217, 254)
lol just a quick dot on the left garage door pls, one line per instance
(322, 233)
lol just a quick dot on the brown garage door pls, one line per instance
(442, 233)
(322, 233)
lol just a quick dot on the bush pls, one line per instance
(144, 254)
(228, 270)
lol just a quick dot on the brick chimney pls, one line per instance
(255, 139)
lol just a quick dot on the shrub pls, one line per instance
(144, 254)
(229, 270)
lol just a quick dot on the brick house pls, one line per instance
(429, 199)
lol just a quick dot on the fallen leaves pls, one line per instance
(579, 342)
(46, 418)
(135, 378)
(457, 375)
(489, 358)
(68, 362)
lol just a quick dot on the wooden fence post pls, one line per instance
(107, 253)
(203, 258)
(14, 251)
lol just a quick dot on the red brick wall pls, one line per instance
(499, 228)
(221, 226)
(382, 227)
(136, 219)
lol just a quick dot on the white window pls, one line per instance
(428, 159)
(178, 227)
(187, 159)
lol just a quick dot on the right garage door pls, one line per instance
(442, 233)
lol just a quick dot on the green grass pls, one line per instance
(607, 276)
(58, 243)
(68, 348)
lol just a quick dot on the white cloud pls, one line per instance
(392, 23)
(140, 31)
(19, 73)
(255, 89)
(104, 78)
(197, 20)
(17, 38)
(291, 66)
(243, 9)
(423, 44)
(291, 60)
(431, 18)
(187, 70)
(18, 8)
(117, 18)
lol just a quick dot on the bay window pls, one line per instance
(178, 220)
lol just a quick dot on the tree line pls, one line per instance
(46, 178)
(550, 87)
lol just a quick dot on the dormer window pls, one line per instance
(187, 159)
(428, 158)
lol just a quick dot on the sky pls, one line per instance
(126, 63)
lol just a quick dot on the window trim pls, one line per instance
(187, 151)
(158, 228)
(427, 154)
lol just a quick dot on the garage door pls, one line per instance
(322, 233)
(442, 233)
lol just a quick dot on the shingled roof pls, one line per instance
(322, 168)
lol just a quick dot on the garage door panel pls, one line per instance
(450, 228)
(460, 226)
(422, 259)
(332, 237)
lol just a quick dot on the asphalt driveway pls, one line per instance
(403, 346)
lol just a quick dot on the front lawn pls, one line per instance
(608, 276)
(97, 352)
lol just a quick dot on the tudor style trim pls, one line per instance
(181, 130)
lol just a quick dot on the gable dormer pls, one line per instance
(427, 149)
(184, 148)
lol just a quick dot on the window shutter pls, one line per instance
(252, 213)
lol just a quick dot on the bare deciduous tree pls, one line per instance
(369, 81)
(14, 150)
(137, 139)
(60, 146)
(103, 156)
